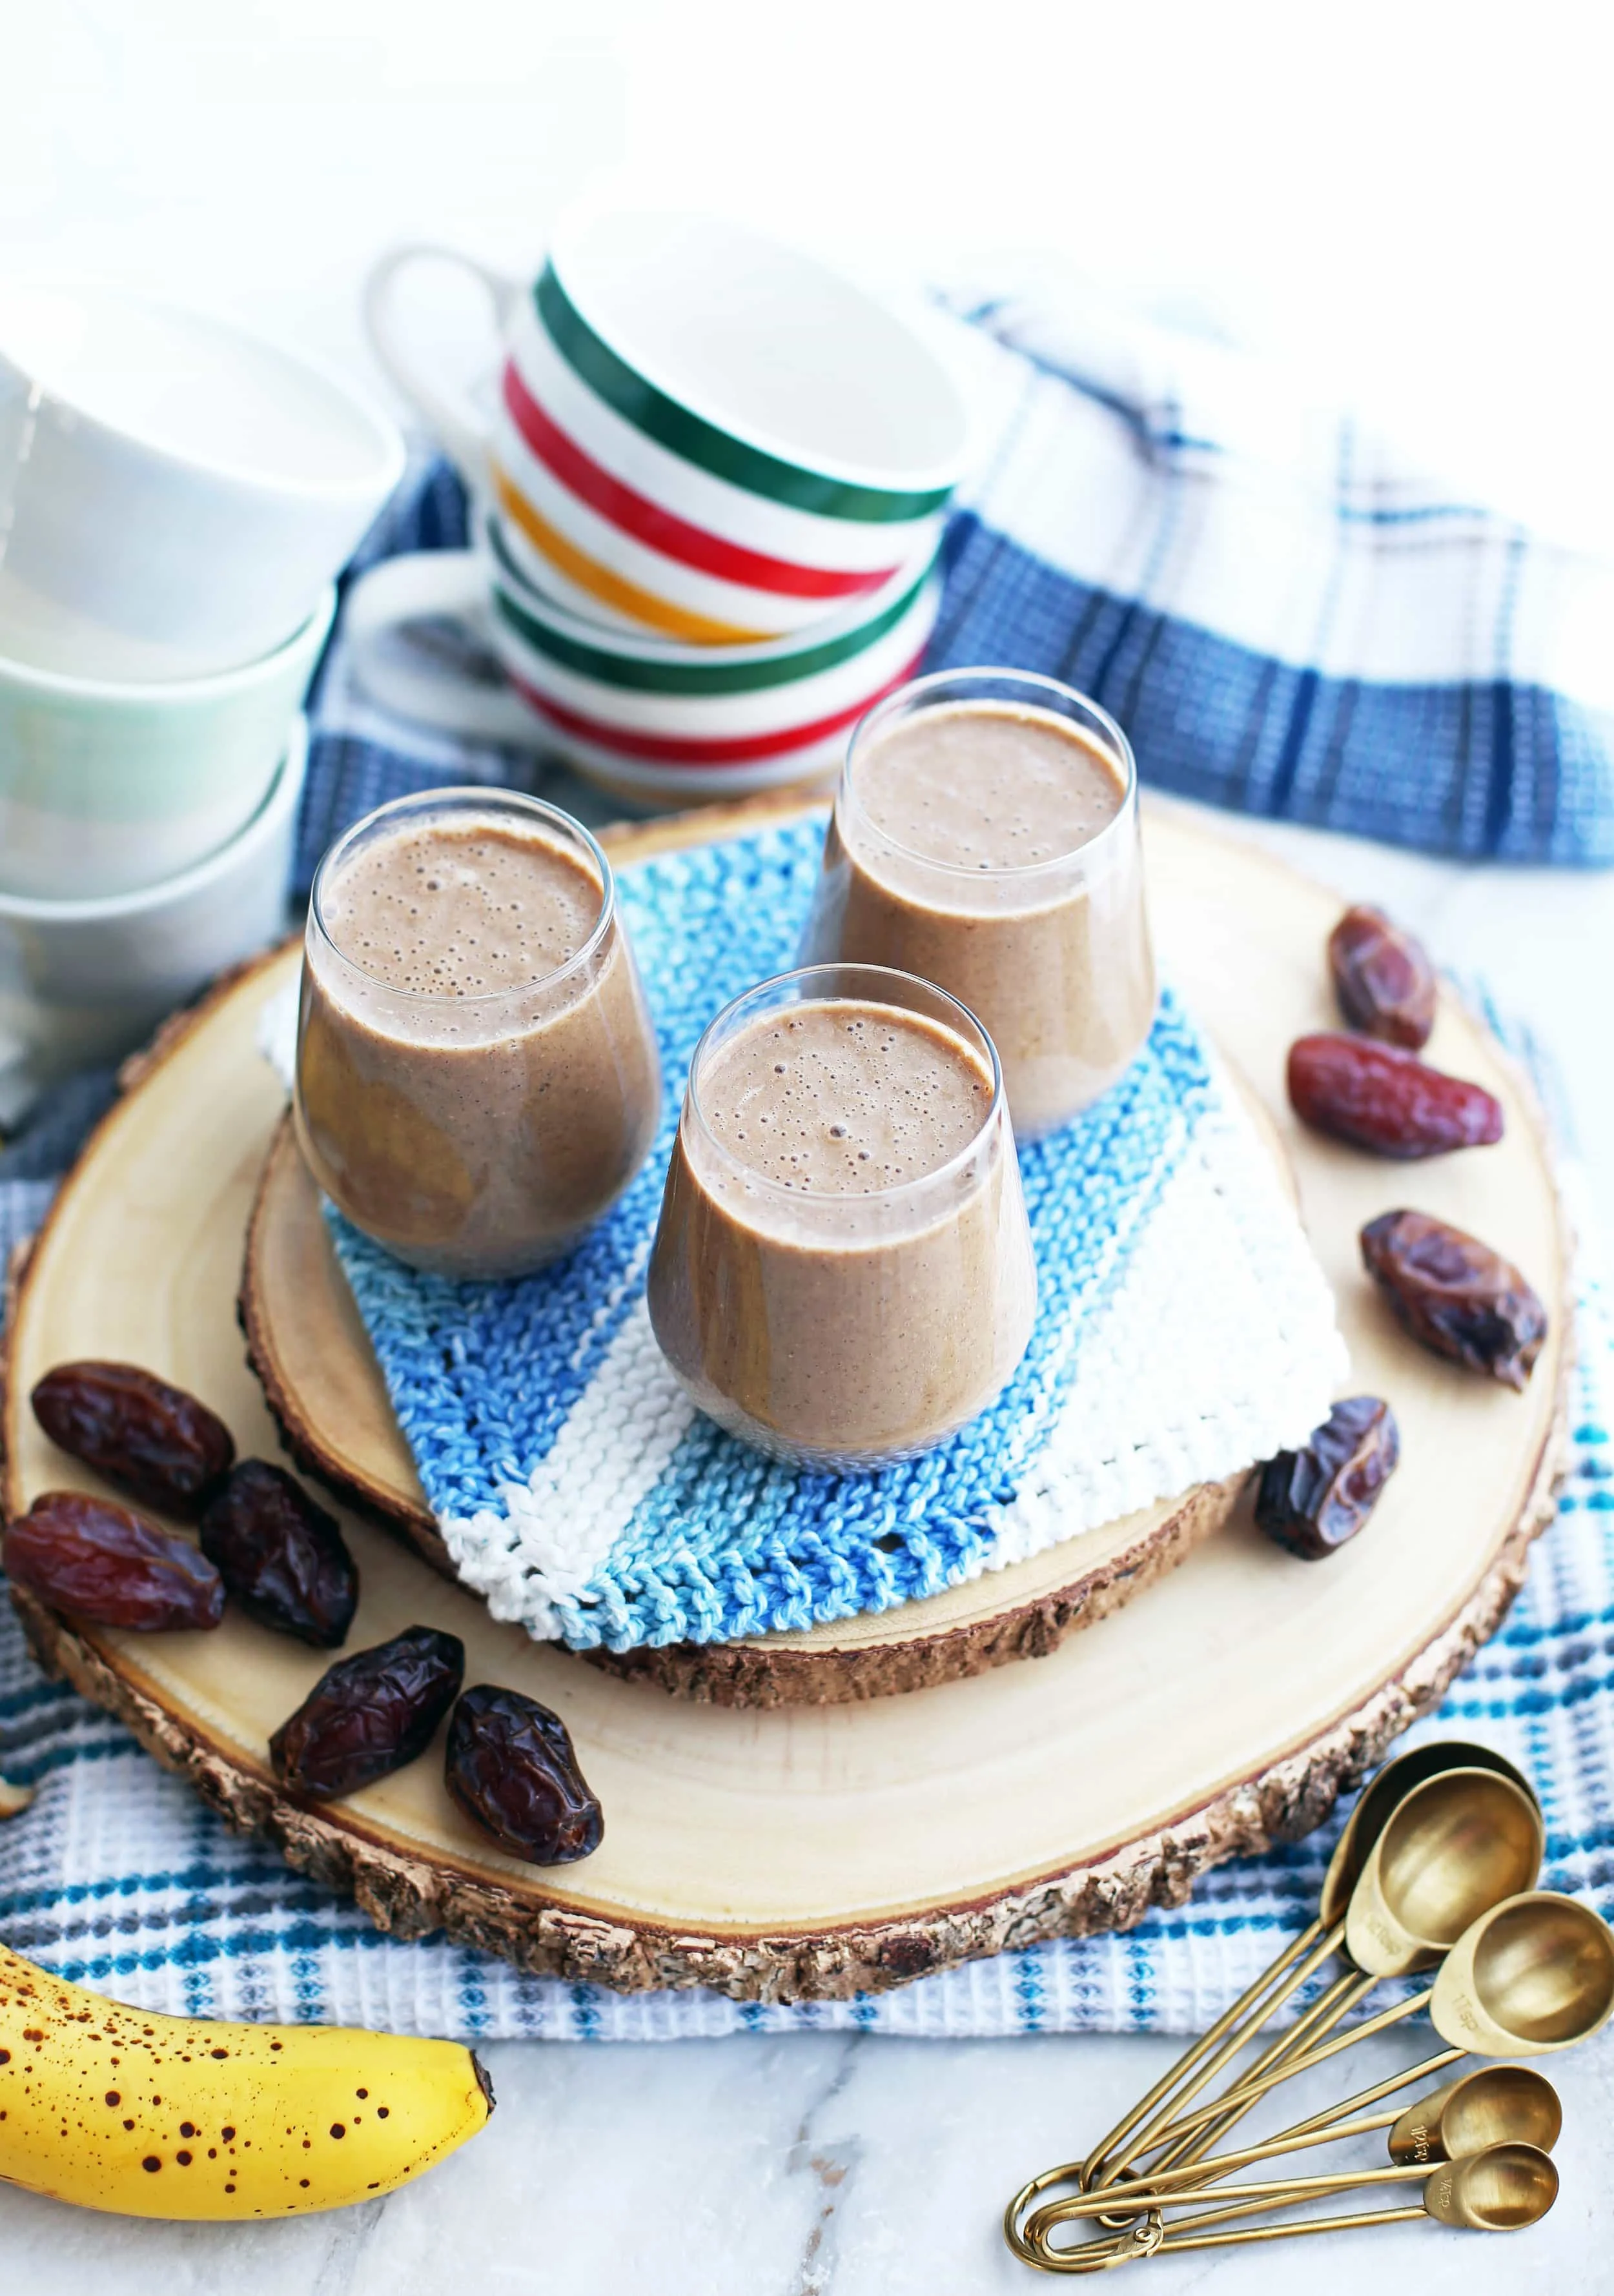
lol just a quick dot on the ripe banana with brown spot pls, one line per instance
(147, 2116)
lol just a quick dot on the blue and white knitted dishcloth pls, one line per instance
(1184, 1332)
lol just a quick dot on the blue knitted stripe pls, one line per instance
(729, 1543)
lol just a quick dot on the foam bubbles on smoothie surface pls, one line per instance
(462, 910)
(844, 1099)
(984, 786)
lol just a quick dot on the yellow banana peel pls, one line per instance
(120, 2109)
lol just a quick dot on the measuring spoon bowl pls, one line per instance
(1454, 1847)
(1497, 2104)
(1533, 1975)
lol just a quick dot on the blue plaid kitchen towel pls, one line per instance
(1287, 618)
(1421, 672)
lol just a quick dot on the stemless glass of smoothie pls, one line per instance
(476, 1079)
(842, 1274)
(986, 837)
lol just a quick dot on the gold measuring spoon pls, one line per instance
(1502, 2189)
(1496, 2104)
(1375, 1806)
(1456, 1844)
(1533, 1975)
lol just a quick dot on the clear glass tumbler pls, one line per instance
(843, 1272)
(985, 836)
(477, 1077)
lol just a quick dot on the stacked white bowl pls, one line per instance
(708, 508)
(176, 496)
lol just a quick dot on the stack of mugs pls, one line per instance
(176, 496)
(708, 503)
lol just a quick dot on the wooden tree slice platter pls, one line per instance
(809, 1851)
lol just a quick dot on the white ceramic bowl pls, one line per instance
(88, 980)
(107, 788)
(701, 432)
(177, 490)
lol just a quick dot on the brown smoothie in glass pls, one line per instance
(843, 1272)
(992, 846)
(476, 1079)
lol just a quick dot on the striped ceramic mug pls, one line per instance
(698, 432)
(649, 719)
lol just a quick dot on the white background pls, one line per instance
(1410, 205)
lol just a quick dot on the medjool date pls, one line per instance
(1382, 978)
(510, 1767)
(150, 1439)
(370, 1714)
(100, 1562)
(282, 1556)
(1455, 1295)
(1314, 1499)
(1387, 1101)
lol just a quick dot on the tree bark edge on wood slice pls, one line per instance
(409, 1899)
(752, 1674)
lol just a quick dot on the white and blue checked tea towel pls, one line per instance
(1484, 733)
(1184, 1332)
(1287, 618)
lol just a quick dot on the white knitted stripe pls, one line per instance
(560, 1524)
(1218, 1349)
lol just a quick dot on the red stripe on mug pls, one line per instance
(648, 523)
(743, 750)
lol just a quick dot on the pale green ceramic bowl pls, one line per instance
(105, 789)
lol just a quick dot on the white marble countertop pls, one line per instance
(821, 2165)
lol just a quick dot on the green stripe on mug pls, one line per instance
(684, 433)
(639, 674)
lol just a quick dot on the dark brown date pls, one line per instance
(1383, 979)
(1456, 1294)
(510, 1767)
(1314, 1499)
(99, 1562)
(370, 1714)
(1388, 1101)
(150, 1439)
(282, 1557)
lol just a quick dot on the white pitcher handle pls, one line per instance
(450, 415)
(456, 688)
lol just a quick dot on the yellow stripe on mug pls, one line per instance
(612, 589)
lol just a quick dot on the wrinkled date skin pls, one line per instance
(98, 1561)
(510, 1767)
(1456, 1294)
(282, 1558)
(1388, 1101)
(1383, 979)
(370, 1714)
(1312, 1500)
(151, 1439)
